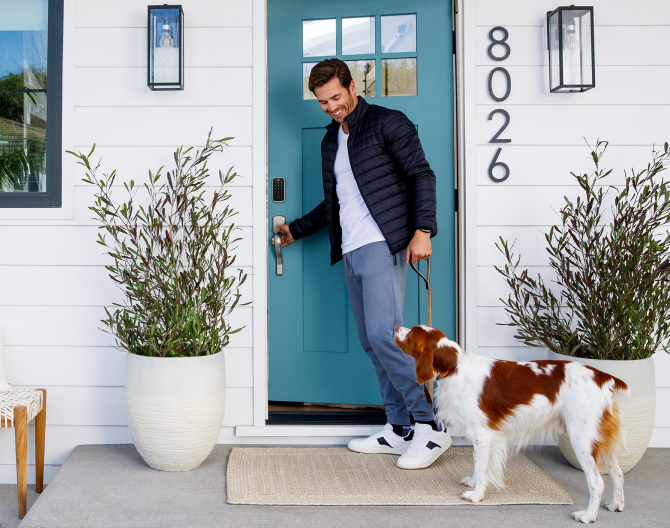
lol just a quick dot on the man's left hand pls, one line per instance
(419, 247)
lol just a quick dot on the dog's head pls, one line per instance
(432, 350)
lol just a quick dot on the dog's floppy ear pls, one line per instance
(424, 363)
(445, 357)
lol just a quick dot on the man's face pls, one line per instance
(336, 100)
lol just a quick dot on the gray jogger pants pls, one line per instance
(376, 287)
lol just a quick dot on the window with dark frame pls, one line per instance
(31, 71)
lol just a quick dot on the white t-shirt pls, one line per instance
(358, 226)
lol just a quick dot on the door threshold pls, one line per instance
(306, 431)
(329, 417)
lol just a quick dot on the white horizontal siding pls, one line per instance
(67, 244)
(606, 12)
(80, 326)
(45, 366)
(629, 108)
(570, 124)
(71, 286)
(117, 87)
(528, 45)
(553, 164)
(130, 13)
(135, 162)
(155, 127)
(204, 48)
(615, 85)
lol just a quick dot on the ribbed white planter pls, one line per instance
(175, 407)
(638, 411)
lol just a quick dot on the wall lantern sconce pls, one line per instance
(572, 61)
(166, 47)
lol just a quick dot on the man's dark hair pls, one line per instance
(325, 70)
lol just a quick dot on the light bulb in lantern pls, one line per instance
(165, 40)
(571, 40)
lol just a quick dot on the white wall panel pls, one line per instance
(662, 364)
(527, 46)
(518, 353)
(40, 366)
(660, 437)
(239, 407)
(529, 243)
(127, 47)
(80, 326)
(130, 13)
(239, 201)
(493, 286)
(606, 12)
(493, 329)
(133, 163)
(156, 127)
(70, 286)
(570, 124)
(552, 165)
(128, 87)
(614, 85)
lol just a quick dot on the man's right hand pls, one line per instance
(286, 237)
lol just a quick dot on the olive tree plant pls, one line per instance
(612, 299)
(171, 253)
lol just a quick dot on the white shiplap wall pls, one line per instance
(630, 107)
(54, 286)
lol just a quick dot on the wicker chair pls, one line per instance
(17, 408)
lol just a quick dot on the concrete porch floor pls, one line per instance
(110, 486)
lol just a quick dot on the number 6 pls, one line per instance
(496, 163)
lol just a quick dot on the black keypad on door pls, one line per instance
(278, 190)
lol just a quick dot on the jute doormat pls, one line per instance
(339, 477)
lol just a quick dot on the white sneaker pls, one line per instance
(385, 441)
(426, 447)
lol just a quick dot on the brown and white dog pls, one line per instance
(499, 404)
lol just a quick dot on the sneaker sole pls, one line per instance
(380, 450)
(427, 463)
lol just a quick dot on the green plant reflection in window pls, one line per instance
(23, 95)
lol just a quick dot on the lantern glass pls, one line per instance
(166, 47)
(571, 54)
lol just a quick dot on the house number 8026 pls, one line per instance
(502, 42)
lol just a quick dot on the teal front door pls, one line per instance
(400, 55)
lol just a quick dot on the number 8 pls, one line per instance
(495, 42)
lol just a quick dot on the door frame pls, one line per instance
(466, 206)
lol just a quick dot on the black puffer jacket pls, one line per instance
(392, 173)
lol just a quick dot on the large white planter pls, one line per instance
(175, 407)
(638, 411)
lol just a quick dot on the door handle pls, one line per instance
(276, 222)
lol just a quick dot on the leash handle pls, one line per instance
(426, 279)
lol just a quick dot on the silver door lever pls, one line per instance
(276, 222)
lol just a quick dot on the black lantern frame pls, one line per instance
(568, 22)
(155, 78)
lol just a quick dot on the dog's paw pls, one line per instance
(582, 517)
(468, 481)
(615, 506)
(471, 496)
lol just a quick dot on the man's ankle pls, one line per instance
(431, 423)
(401, 430)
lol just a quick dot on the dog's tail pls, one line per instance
(611, 432)
(617, 386)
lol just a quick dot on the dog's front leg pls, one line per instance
(482, 456)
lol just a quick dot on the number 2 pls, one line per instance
(496, 138)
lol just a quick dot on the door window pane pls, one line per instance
(358, 35)
(318, 38)
(364, 75)
(23, 95)
(398, 77)
(398, 34)
(306, 70)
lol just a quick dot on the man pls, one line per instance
(379, 208)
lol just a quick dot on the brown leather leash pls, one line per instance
(426, 279)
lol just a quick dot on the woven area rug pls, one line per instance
(339, 477)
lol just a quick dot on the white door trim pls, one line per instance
(260, 221)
